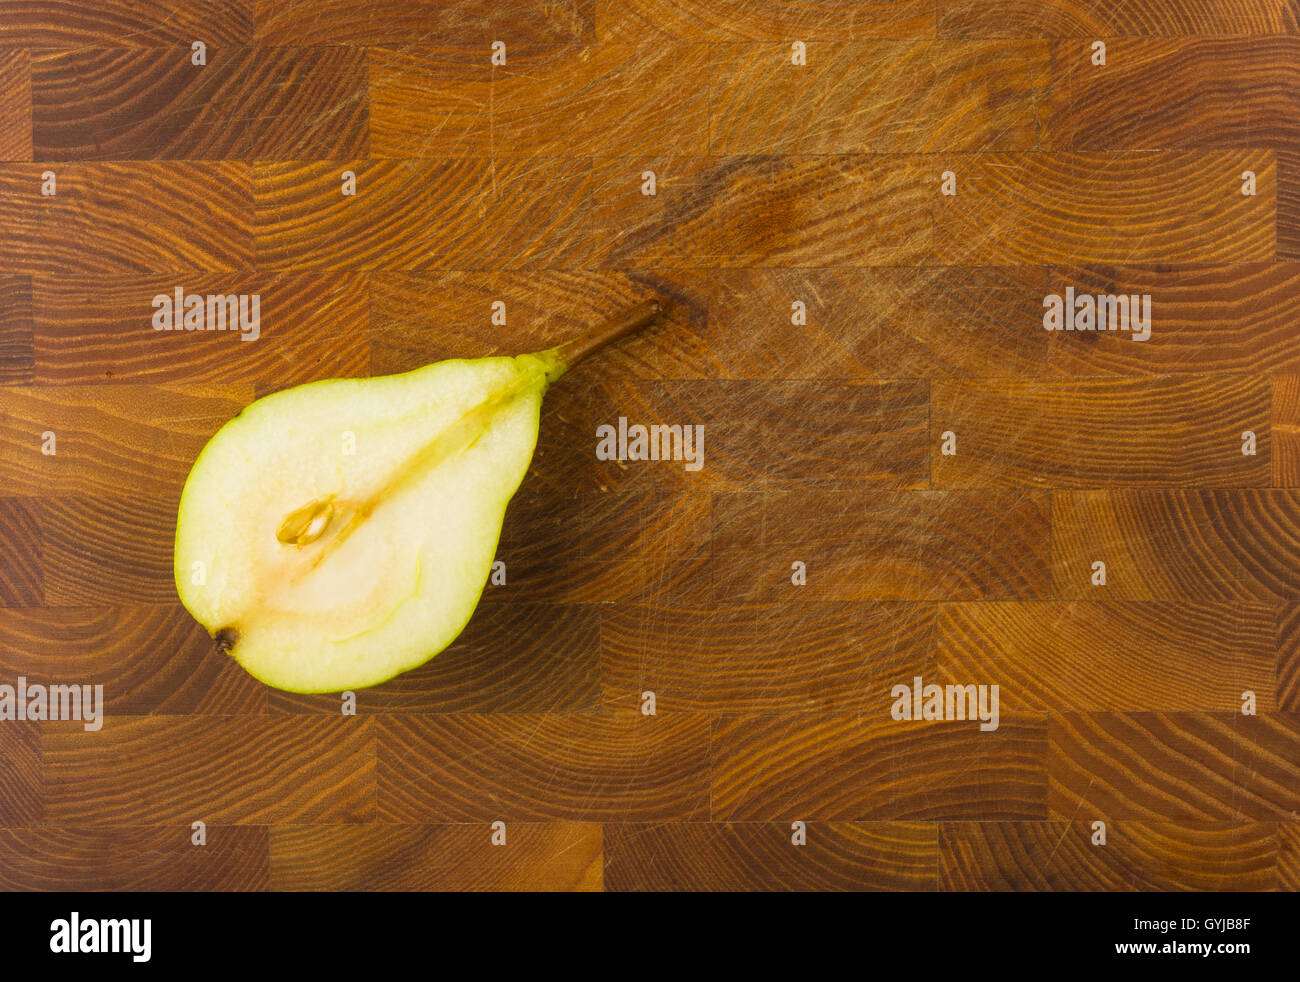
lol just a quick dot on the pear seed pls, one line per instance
(305, 525)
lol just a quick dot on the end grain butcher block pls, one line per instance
(980, 317)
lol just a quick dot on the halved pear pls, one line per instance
(338, 533)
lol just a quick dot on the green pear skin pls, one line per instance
(338, 533)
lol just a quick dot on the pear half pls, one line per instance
(336, 534)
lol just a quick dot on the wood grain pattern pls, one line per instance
(919, 97)
(1288, 856)
(886, 323)
(1215, 319)
(777, 767)
(467, 213)
(414, 22)
(1288, 204)
(109, 550)
(421, 317)
(141, 23)
(805, 434)
(540, 767)
(269, 103)
(1010, 208)
(109, 439)
(544, 857)
(151, 659)
(813, 657)
(512, 658)
(15, 104)
(772, 20)
(273, 770)
(1288, 658)
(772, 435)
(1216, 92)
(1286, 431)
(883, 323)
(1096, 18)
(710, 856)
(22, 793)
(1184, 767)
(548, 101)
(915, 545)
(1156, 856)
(1062, 657)
(75, 858)
(762, 211)
(311, 326)
(1107, 207)
(17, 359)
(126, 217)
(22, 574)
(1089, 433)
(604, 547)
(1176, 545)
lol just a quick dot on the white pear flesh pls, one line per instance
(414, 517)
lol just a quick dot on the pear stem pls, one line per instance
(628, 322)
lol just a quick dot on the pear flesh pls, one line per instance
(320, 569)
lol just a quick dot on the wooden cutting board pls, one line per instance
(689, 678)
